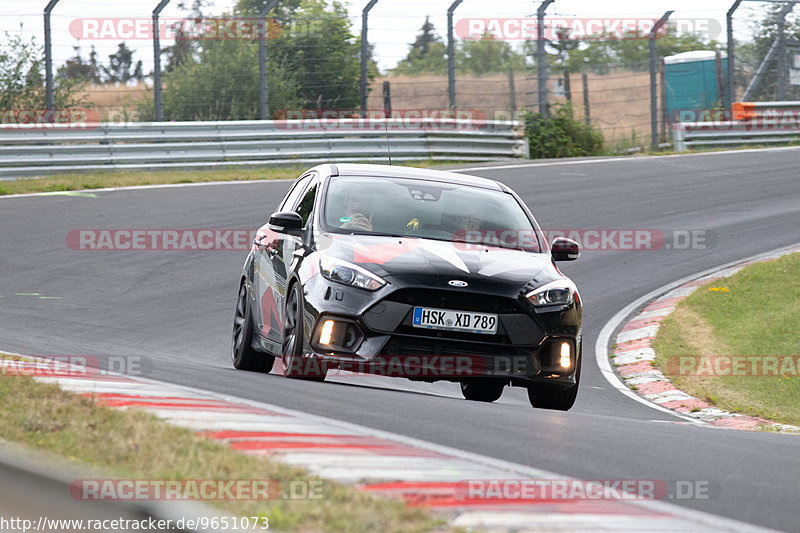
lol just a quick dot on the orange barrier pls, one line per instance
(744, 110)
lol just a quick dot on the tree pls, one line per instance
(427, 54)
(120, 64)
(749, 55)
(223, 84)
(22, 78)
(76, 69)
(283, 12)
(317, 45)
(486, 56)
(633, 52)
(185, 47)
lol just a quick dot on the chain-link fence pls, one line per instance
(313, 68)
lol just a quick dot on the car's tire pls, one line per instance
(243, 355)
(293, 364)
(481, 390)
(557, 399)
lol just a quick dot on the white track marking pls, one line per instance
(604, 338)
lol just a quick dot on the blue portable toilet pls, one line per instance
(691, 84)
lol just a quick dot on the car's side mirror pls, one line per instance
(564, 249)
(287, 222)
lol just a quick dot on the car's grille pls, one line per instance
(402, 345)
(459, 300)
(443, 335)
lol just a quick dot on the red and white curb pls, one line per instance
(633, 356)
(385, 464)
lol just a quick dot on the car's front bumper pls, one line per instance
(526, 349)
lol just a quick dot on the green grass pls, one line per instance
(123, 178)
(135, 444)
(755, 312)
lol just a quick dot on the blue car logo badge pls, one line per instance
(457, 283)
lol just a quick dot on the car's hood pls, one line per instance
(400, 256)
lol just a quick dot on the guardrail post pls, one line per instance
(48, 58)
(451, 52)
(541, 59)
(364, 50)
(653, 98)
(157, 97)
(679, 138)
(263, 96)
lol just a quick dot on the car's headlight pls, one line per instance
(336, 269)
(559, 292)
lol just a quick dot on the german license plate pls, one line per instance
(448, 319)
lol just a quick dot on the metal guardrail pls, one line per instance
(751, 110)
(35, 493)
(60, 148)
(757, 123)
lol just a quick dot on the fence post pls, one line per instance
(451, 52)
(387, 99)
(718, 70)
(662, 72)
(653, 98)
(586, 115)
(157, 97)
(729, 20)
(512, 93)
(263, 82)
(541, 59)
(48, 58)
(364, 50)
(782, 67)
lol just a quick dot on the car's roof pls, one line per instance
(356, 169)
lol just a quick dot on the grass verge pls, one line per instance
(753, 313)
(133, 444)
(123, 178)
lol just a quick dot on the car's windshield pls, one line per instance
(427, 209)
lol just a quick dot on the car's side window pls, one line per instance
(291, 198)
(306, 205)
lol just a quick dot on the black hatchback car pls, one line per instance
(421, 274)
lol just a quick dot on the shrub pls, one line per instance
(560, 135)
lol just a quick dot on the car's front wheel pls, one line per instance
(557, 399)
(242, 353)
(293, 363)
(481, 391)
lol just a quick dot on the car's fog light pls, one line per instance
(336, 335)
(565, 355)
(326, 332)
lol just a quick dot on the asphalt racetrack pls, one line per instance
(174, 310)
